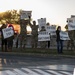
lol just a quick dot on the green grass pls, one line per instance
(42, 51)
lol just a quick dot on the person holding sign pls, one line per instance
(45, 35)
(10, 39)
(59, 41)
(4, 41)
(24, 20)
(34, 33)
(70, 43)
(48, 24)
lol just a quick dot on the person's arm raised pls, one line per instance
(30, 22)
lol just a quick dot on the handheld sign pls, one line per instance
(25, 14)
(64, 35)
(71, 27)
(71, 23)
(7, 32)
(43, 36)
(51, 29)
(42, 23)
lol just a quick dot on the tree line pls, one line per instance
(11, 16)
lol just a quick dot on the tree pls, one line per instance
(12, 16)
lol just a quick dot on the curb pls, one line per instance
(36, 54)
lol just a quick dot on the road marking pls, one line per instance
(20, 72)
(30, 71)
(54, 72)
(42, 72)
(2, 73)
(66, 72)
(33, 72)
(74, 72)
(10, 72)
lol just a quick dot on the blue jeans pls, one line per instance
(60, 46)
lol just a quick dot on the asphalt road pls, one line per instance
(12, 64)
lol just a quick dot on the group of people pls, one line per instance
(6, 43)
(43, 44)
(35, 37)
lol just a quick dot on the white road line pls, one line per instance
(66, 72)
(10, 72)
(30, 71)
(54, 72)
(42, 72)
(20, 72)
(2, 73)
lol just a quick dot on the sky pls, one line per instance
(56, 11)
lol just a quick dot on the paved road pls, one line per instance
(35, 65)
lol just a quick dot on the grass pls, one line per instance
(43, 51)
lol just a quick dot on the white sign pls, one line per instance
(7, 32)
(64, 35)
(71, 20)
(42, 23)
(51, 29)
(71, 27)
(43, 36)
(71, 23)
(25, 14)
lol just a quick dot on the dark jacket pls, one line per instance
(12, 37)
(58, 35)
(2, 27)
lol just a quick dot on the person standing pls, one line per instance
(16, 39)
(10, 39)
(3, 40)
(49, 41)
(48, 24)
(34, 33)
(23, 33)
(59, 41)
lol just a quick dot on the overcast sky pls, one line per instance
(56, 11)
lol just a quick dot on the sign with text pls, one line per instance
(71, 23)
(71, 27)
(71, 20)
(43, 36)
(42, 23)
(51, 29)
(7, 32)
(25, 14)
(64, 35)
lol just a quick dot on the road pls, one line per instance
(11, 64)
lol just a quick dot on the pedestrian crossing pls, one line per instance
(34, 71)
